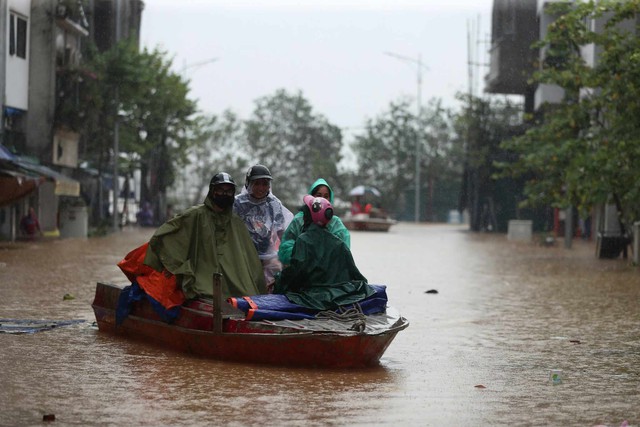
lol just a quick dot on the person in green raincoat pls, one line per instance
(322, 274)
(208, 239)
(320, 188)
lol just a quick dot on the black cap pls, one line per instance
(222, 178)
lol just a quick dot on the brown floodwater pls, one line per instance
(478, 352)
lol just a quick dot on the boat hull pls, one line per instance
(244, 341)
(363, 222)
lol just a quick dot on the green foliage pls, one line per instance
(587, 147)
(296, 144)
(480, 128)
(218, 144)
(137, 94)
(386, 153)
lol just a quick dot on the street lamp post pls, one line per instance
(419, 67)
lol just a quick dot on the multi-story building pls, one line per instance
(39, 155)
(516, 26)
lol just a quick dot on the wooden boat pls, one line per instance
(365, 222)
(219, 331)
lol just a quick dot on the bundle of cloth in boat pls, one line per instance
(322, 274)
(278, 307)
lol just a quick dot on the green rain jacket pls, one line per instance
(335, 227)
(199, 242)
(322, 274)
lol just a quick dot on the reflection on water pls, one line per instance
(505, 314)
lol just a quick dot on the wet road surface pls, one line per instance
(477, 352)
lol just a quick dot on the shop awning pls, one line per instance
(65, 186)
(15, 185)
(21, 172)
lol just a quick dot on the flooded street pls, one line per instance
(477, 352)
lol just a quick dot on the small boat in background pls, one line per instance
(221, 331)
(365, 222)
(364, 216)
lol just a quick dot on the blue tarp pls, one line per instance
(279, 307)
(266, 307)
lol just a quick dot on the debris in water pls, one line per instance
(30, 326)
(67, 297)
(479, 386)
(49, 417)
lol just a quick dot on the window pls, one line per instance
(17, 36)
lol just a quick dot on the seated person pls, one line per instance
(181, 257)
(266, 218)
(322, 274)
(356, 206)
(320, 188)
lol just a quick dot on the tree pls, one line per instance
(481, 126)
(218, 144)
(148, 101)
(588, 147)
(296, 144)
(386, 153)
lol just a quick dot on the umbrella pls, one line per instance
(362, 190)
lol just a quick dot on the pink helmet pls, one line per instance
(320, 208)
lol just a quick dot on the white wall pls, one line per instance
(17, 69)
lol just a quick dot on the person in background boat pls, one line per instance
(266, 219)
(321, 274)
(356, 205)
(180, 259)
(29, 225)
(320, 188)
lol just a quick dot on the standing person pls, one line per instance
(184, 253)
(266, 218)
(320, 188)
(29, 225)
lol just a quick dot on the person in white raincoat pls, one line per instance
(266, 218)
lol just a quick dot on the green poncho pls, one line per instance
(200, 242)
(322, 274)
(295, 228)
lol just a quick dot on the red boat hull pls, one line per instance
(244, 341)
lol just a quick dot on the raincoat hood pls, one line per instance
(321, 181)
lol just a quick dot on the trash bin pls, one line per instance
(520, 229)
(611, 247)
(74, 221)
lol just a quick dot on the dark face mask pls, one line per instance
(223, 202)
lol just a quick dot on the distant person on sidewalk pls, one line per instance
(29, 225)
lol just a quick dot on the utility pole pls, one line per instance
(116, 133)
(420, 68)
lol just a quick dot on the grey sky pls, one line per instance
(331, 50)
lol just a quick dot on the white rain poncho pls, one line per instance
(266, 220)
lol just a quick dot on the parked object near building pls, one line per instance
(74, 221)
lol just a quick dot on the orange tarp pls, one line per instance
(161, 286)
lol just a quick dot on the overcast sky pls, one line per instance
(331, 50)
